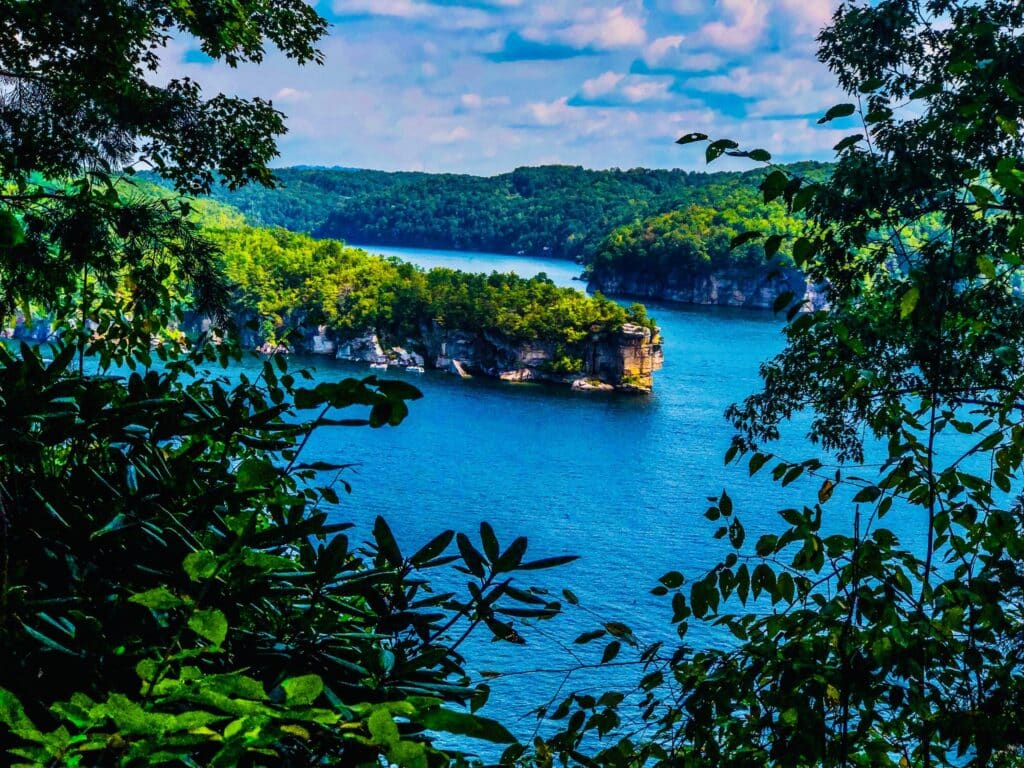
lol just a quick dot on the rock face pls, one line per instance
(625, 360)
(752, 287)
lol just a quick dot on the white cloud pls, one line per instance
(289, 95)
(473, 101)
(658, 49)
(745, 23)
(612, 87)
(776, 86)
(601, 85)
(403, 9)
(671, 52)
(453, 136)
(549, 113)
(638, 90)
(442, 15)
(598, 29)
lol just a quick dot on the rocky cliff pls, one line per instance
(739, 286)
(624, 360)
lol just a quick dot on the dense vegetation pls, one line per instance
(171, 590)
(173, 594)
(291, 280)
(853, 646)
(698, 238)
(562, 211)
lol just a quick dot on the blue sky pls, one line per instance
(483, 86)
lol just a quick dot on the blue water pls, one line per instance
(620, 480)
(562, 272)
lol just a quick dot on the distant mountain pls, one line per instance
(562, 211)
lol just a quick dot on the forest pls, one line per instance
(561, 211)
(174, 589)
(290, 279)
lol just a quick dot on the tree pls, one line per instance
(171, 589)
(852, 647)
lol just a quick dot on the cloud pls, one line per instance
(658, 49)
(601, 85)
(453, 136)
(442, 15)
(593, 29)
(551, 113)
(777, 85)
(403, 9)
(469, 102)
(612, 88)
(671, 54)
(745, 22)
(515, 47)
(288, 95)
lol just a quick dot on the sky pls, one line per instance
(484, 86)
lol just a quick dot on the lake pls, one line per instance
(620, 480)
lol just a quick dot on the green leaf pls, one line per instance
(848, 142)
(672, 579)
(386, 544)
(256, 473)
(470, 556)
(210, 624)
(836, 112)
(157, 599)
(490, 542)
(743, 238)
(465, 724)
(433, 548)
(382, 728)
(611, 651)
(587, 637)
(717, 148)
(690, 138)
(548, 562)
(302, 691)
(909, 302)
(200, 565)
(50, 643)
(11, 231)
(399, 390)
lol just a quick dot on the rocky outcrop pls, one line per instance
(623, 360)
(754, 287)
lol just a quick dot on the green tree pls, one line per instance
(850, 646)
(171, 591)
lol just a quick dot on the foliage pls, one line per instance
(207, 610)
(562, 211)
(172, 590)
(696, 239)
(846, 645)
(293, 280)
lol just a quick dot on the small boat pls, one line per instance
(379, 366)
(415, 368)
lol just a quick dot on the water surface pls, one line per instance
(620, 480)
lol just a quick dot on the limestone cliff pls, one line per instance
(623, 360)
(737, 286)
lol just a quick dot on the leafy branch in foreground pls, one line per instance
(173, 591)
(882, 624)
(174, 586)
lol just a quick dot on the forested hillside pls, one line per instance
(562, 211)
(288, 278)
